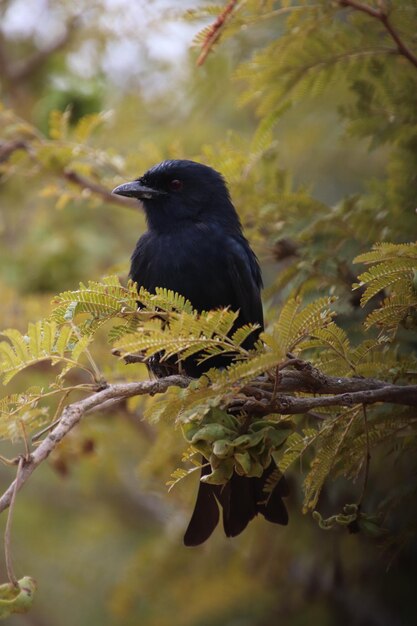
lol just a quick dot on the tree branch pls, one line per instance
(290, 405)
(268, 397)
(264, 395)
(383, 17)
(7, 149)
(215, 31)
(73, 413)
(86, 183)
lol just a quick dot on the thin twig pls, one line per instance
(367, 456)
(361, 7)
(86, 183)
(9, 147)
(276, 379)
(7, 533)
(25, 438)
(55, 419)
(215, 31)
(6, 461)
(383, 17)
(97, 374)
(73, 413)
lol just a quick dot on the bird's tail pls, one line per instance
(241, 499)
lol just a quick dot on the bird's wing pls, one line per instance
(140, 261)
(246, 281)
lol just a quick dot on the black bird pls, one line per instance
(194, 245)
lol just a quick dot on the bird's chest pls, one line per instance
(190, 263)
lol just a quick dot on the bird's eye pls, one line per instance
(176, 184)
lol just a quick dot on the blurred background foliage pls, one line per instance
(310, 114)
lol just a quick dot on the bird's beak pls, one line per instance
(136, 190)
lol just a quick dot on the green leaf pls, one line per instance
(44, 342)
(17, 599)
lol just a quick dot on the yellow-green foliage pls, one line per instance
(306, 75)
(394, 272)
(43, 342)
(165, 323)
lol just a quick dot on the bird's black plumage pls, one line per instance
(195, 246)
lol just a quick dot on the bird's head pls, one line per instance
(177, 193)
